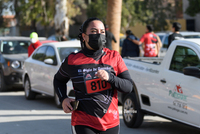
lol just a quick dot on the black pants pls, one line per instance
(88, 130)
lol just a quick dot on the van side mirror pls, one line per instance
(192, 71)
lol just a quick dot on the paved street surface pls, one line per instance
(41, 116)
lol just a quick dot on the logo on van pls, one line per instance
(178, 89)
(177, 93)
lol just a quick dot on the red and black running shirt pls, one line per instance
(150, 41)
(98, 102)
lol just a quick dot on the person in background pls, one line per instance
(35, 43)
(97, 73)
(109, 38)
(151, 44)
(175, 29)
(129, 48)
(63, 38)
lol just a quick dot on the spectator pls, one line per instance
(175, 29)
(129, 48)
(151, 44)
(35, 43)
(63, 38)
(109, 38)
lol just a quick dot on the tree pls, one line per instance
(114, 20)
(193, 7)
(31, 12)
(1, 15)
(132, 13)
(138, 11)
(156, 13)
(65, 11)
(3, 6)
(97, 8)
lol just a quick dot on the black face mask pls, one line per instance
(97, 41)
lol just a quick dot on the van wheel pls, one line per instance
(2, 82)
(57, 101)
(30, 95)
(132, 114)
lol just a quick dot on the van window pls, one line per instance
(184, 57)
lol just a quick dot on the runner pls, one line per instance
(97, 74)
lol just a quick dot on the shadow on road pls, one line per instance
(151, 126)
(16, 100)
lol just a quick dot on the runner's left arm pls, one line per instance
(122, 82)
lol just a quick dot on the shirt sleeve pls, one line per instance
(60, 80)
(122, 82)
(169, 40)
(142, 38)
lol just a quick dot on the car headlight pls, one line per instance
(15, 64)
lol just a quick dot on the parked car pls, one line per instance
(164, 39)
(43, 64)
(166, 87)
(14, 50)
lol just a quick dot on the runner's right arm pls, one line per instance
(60, 80)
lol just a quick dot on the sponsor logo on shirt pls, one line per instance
(88, 76)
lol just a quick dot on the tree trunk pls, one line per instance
(60, 19)
(114, 8)
(34, 27)
(17, 27)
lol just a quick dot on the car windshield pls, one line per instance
(161, 36)
(14, 47)
(65, 51)
(192, 36)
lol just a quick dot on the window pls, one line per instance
(65, 51)
(192, 36)
(14, 47)
(183, 57)
(165, 44)
(50, 54)
(161, 37)
(40, 54)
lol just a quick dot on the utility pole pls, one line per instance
(114, 8)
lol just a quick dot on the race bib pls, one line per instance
(96, 85)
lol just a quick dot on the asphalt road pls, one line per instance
(41, 116)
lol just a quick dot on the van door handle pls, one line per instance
(163, 81)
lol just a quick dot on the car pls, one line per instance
(164, 39)
(47, 41)
(14, 50)
(42, 65)
(165, 86)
